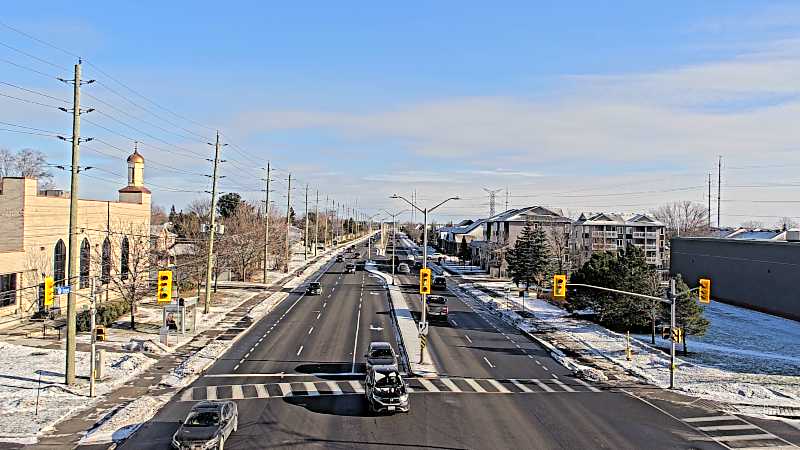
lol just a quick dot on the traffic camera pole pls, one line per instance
(672, 301)
(92, 326)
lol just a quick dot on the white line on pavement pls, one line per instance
(474, 385)
(499, 387)
(355, 340)
(310, 330)
(319, 315)
(285, 388)
(261, 391)
(236, 392)
(310, 388)
(450, 385)
(235, 367)
(521, 386)
(591, 388)
(211, 392)
(334, 387)
(428, 385)
(487, 362)
(563, 386)
(299, 350)
(543, 386)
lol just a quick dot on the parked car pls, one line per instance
(380, 353)
(350, 268)
(208, 425)
(385, 390)
(437, 307)
(339, 258)
(439, 283)
(314, 288)
(403, 268)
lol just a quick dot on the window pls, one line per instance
(8, 288)
(105, 276)
(123, 263)
(60, 263)
(86, 259)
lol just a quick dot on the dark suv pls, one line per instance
(314, 288)
(439, 283)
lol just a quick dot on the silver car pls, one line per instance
(403, 268)
(385, 390)
(380, 353)
(208, 425)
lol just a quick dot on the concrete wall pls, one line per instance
(760, 275)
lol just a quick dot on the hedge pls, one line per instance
(107, 313)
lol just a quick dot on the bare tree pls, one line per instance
(131, 259)
(7, 163)
(752, 224)
(158, 216)
(786, 223)
(558, 241)
(242, 241)
(683, 218)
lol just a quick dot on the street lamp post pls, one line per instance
(394, 236)
(369, 236)
(424, 212)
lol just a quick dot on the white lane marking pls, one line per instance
(246, 355)
(555, 376)
(333, 289)
(521, 386)
(355, 339)
(591, 388)
(470, 340)
(356, 386)
(286, 389)
(329, 295)
(261, 391)
(450, 385)
(255, 345)
(453, 322)
(474, 385)
(545, 368)
(282, 374)
(241, 360)
(325, 304)
(299, 350)
(211, 392)
(746, 437)
(310, 330)
(728, 427)
(235, 367)
(236, 392)
(318, 315)
(334, 387)
(709, 418)
(543, 386)
(428, 385)
(487, 362)
(563, 386)
(530, 356)
(310, 388)
(499, 387)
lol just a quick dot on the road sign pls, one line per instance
(560, 286)
(48, 291)
(705, 290)
(423, 328)
(164, 291)
(423, 340)
(425, 281)
(62, 290)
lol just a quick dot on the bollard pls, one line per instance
(100, 364)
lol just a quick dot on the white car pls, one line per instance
(403, 268)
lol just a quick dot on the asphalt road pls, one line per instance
(293, 378)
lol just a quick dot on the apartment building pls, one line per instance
(599, 232)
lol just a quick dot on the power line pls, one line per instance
(34, 92)
(34, 102)
(29, 69)
(34, 57)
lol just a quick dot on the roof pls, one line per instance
(605, 218)
(135, 189)
(756, 234)
(380, 344)
(136, 157)
(463, 229)
(536, 213)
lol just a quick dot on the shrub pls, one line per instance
(106, 314)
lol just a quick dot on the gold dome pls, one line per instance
(136, 157)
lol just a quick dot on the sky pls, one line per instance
(579, 106)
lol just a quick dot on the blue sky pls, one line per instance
(362, 100)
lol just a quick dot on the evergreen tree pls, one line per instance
(227, 204)
(463, 251)
(529, 259)
(688, 313)
(172, 214)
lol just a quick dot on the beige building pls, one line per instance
(34, 235)
(602, 232)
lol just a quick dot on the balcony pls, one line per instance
(597, 234)
(651, 235)
(651, 260)
(638, 235)
(650, 246)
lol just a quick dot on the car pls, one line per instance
(360, 265)
(356, 255)
(208, 425)
(314, 288)
(339, 258)
(386, 390)
(436, 307)
(380, 353)
(439, 283)
(403, 268)
(350, 268)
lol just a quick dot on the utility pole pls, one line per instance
(672, 301)
(506, 198)
(327, 218)
(709, 201)
(212, 226)
(492, 193)
(316, 224)
(288, 221)
(719, 189)
(73, 273)
(266, 225)
(305, 236)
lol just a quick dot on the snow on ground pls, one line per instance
(124, 422)
(748, 358)
(20, 370)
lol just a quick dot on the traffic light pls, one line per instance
(425, 281)
(677, 335)
(665, 334)
(164, 292)
(560, 286)
(705, 290)
(49, 288)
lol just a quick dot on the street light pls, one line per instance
(369, 239)
(394, 236)
(424, 212)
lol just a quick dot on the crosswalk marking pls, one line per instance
(357, 386)
(428, 385)
(591, 388)
(474, 385)
(726, 433)
(745, 437)
(236, 392)
(499, 387)
(450, 385)
(543, 386)
(746, 426)
(520, 386)
(444, 385)
(563, 386)
(310, 388)
(709, 418)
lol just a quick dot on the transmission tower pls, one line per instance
(492, 193)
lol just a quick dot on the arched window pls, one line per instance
(60, 263)
(123, 263)
(86, 260)
(105, 275)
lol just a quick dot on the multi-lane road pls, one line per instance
(296, 376)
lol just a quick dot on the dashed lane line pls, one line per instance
(488, 362)
(299, 350)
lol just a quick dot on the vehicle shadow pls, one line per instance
(334, 371)
(338, 405)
